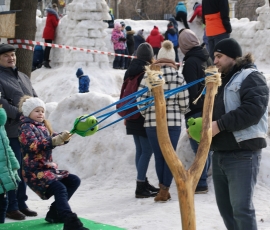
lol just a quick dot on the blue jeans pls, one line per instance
(194, 146)
(235, 175)
(3, 207)
(119, 61)
(62, 191)
(143, 156)
(17, 199)
(213, 40)
(163, 172)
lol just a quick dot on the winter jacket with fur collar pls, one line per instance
(254, 96)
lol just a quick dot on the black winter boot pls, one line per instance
(72, 222)
(52, 216)
(151, 187)
(142, 191)
(46, 64)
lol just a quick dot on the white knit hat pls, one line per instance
(167, 51)
(30, 104)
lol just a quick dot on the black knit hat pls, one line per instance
(145, 52)
(230, 47)
(4, 48)
(128, 28)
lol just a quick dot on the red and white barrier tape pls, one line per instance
(24, 47)
(16, 43)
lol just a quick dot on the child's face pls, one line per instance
(37, 114)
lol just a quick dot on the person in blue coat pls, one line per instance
(37, 57)
(84, 81)
(181, 14)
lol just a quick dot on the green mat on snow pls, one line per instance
(41, 224)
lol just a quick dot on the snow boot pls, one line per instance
(72, 222)
(142, 191)
(46, 64)
(52, 216)
(163, 195)
(151, 187)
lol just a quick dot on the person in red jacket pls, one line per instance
(197, 11)
(49, 32)
(155, 39)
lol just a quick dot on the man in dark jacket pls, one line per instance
(195, 62)
(14, 85)
(240, 123)
(215, 16)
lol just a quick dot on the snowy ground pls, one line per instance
(105, 161)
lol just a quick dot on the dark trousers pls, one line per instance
(17, 199)
(156, 49)
(3, 207)
(47, 50)
(62, 191)
(182, 17)
(126, 59)
(176, 53)
(118, 62)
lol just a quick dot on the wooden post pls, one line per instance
(186, 180)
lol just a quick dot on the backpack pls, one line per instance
(173, 39)
(130, 86)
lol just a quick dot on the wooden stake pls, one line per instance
(186, 180)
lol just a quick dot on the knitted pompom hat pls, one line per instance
(167, 51)
(117, 25)
(30, 104)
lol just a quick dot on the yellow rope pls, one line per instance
(215, 77)
(154, 78)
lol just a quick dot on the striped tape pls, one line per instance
(17, 44)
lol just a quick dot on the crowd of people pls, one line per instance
(239, 125)
(240, 121)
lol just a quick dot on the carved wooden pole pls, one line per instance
(186, 180)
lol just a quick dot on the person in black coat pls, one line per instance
(239, 131)
(195, 62)
(136, 128)
(138, 39)
(130, 42)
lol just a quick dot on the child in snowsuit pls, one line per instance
(8, 167)
(118, 39)
(39, 171)
(84, 81)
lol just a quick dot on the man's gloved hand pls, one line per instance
(15, 173)
(61, 138)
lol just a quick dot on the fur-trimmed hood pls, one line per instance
(248, 59)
